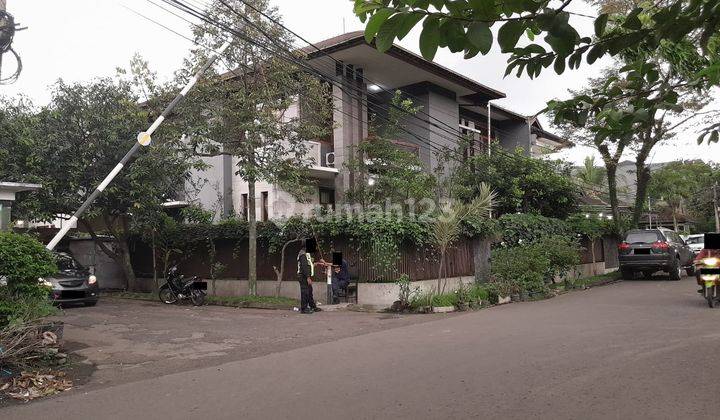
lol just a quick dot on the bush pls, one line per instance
(526, 266)
(523, 229)
(23, 260)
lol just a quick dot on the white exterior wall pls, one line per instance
(281, 204)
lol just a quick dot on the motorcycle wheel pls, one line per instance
(166, 295)
(197, 297)
(710, 296)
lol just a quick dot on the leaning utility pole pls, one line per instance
(143, 139)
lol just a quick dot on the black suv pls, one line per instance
(650, 250)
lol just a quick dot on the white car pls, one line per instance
(696, 242)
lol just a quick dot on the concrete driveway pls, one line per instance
(643, 349)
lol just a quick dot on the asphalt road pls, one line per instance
(644, 349)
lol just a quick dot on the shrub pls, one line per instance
(563, 254)
(445, 299)
(522, 229)
(23, 260)
(525, 266)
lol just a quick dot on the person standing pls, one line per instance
(305, 272)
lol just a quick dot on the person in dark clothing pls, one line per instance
(340, 280)
(306, 271)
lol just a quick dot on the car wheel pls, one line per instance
(627, 274)
(690, 270)
(676, 271)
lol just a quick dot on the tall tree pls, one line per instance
(262, 112)
(685, 188)
(620, 31)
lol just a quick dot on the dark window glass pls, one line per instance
(642, 237)
(695, 240)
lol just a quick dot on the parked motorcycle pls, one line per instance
(707, 267)
(177, 288)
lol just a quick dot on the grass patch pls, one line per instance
(599, 279)
(264, 302)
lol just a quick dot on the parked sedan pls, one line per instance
(73, 283)
(650, 250)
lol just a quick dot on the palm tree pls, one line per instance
(591, 174)
(446, 227)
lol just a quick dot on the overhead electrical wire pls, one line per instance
(438, 148)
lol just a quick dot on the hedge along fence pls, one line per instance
(378, 249)
(418, 262)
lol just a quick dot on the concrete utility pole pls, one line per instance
(716, 204)
(143, 139)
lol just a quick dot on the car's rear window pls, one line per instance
(695, 240)
(642, 237)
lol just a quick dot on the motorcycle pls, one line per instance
(178, 288)
(707, 268)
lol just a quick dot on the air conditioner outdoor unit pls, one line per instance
(330, 159)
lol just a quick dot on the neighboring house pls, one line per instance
(452, 105)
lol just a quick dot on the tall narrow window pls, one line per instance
(327, 197)
(264, 203)
(245, 206)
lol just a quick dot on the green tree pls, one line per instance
(522, 183)
(620, 31)
(262, 112)
(393, 173)
(77, 139)
(446, 225)
(591, 174)
(685, 188)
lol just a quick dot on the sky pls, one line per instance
(77, 40)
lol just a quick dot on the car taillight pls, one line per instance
(660, 246)
(624, 247)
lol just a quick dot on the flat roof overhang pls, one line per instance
(396, 68)
(9, 189)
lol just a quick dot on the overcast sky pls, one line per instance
(79, 39)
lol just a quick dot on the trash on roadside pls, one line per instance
(31, 385)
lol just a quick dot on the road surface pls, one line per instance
(643, 349)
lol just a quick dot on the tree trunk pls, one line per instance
(127, 266)
(592, 251)
(440, 270)
(154, 260)
(481, 259)
(121, 253)
(643, 178)
(611, 169)
(279, 273)
(252, 240)
(675, 223)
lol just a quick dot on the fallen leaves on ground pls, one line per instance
(31, 385)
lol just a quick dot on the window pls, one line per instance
(245, 206)
(327, 197)
(264, 204)
(642, 237)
